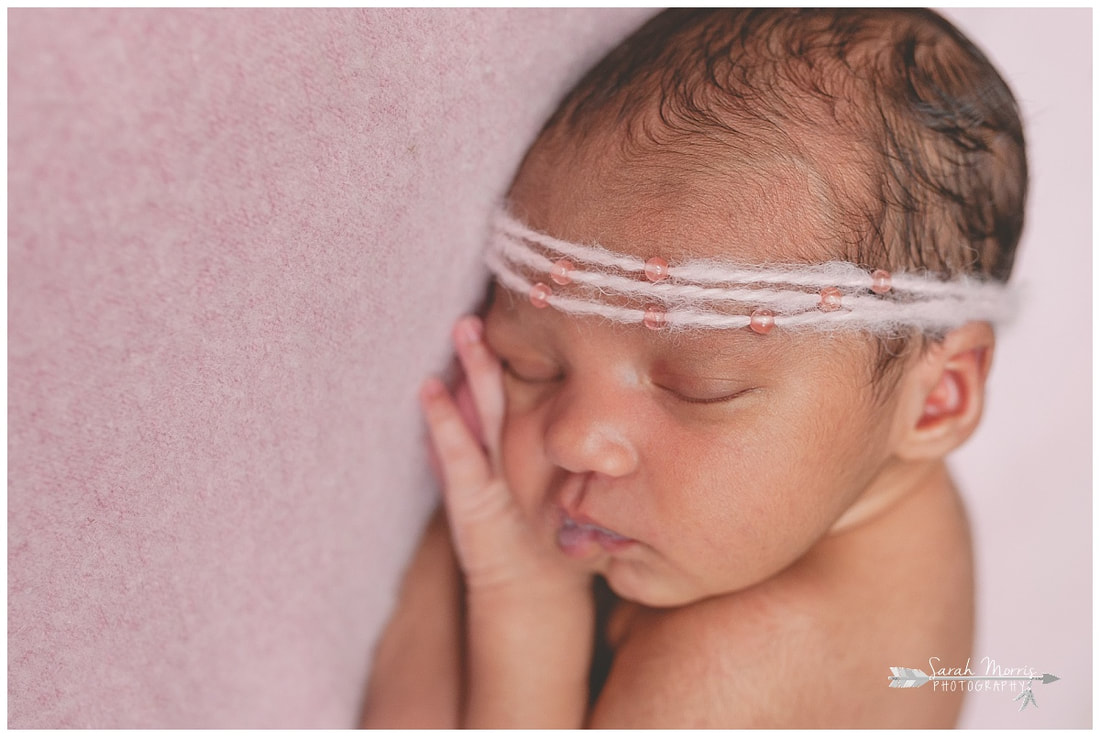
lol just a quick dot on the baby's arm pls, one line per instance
(745, 660)
(417, 673)
(712, 664)
(529, 616)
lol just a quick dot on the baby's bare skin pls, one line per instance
(808, 648)
(812, 646)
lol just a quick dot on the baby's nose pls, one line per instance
(590, 429)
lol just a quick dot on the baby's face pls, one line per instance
(677, 466)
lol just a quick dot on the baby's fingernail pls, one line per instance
(468, 330)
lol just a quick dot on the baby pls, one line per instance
(744, 286)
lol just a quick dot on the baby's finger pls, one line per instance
(465, 468)
(485, 379)
(480, 510)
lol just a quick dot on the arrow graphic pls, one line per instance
(915, 678)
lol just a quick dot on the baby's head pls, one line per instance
(782, 138)
(879, 137)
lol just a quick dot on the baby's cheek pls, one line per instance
(778, 475)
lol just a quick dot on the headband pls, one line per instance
(705, 293)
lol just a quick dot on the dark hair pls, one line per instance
(901, 95)
(926, 129)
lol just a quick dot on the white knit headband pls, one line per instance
(717, 294)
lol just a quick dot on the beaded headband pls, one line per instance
(716, 294)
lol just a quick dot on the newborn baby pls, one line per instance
(744, 283)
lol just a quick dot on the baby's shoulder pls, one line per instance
(811, 647)
(739, 660)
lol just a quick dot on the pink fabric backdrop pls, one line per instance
(237, 240)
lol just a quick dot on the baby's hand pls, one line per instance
(524, 604)
(496, 546)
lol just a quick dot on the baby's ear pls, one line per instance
(944, 393)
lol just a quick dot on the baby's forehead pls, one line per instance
(683, 204)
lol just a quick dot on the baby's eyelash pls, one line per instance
(710, 400)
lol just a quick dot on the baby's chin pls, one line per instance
(635, 582)
(638, 582)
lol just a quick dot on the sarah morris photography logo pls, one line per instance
(995, 678)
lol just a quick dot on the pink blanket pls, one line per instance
(238, 241)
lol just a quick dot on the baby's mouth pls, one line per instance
(576, 539)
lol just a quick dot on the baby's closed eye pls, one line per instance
(702, 390)
(531, 371)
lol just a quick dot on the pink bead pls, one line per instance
(654, 317)
(539, 295)
(830, 299)
(880, 281)
(560, 271)
(656, 269)
(762, 321)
